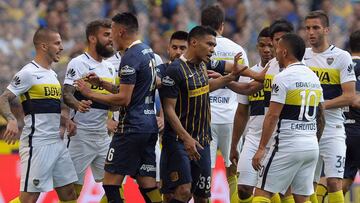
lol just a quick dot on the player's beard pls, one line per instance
(103, 51)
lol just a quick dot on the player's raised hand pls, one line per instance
(238, 68)
(213, 74)
(83, 106)
(256, 160)
(11, 132)
(93, 79)
(234, 156)
(191, 146)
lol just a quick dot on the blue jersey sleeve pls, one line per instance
(218, 66)
(172, 81)
(129, 67)
(160, 70)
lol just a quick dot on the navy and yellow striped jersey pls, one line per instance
(300, 92)
(333, 68)
(40, 92)
(138, 67)
(79, 67)
(188, 83)
(352, 115)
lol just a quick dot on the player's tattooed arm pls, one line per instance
(72, 102)
(12, 129)
(320, 121)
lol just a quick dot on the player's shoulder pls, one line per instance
(78, 60)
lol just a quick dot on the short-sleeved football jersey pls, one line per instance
(40, 93)
(299, 89)
(333, 67)
(188, 83)
(138, 67)
(223, 101)
(79, 67)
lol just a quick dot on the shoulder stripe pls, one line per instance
(86, 55)
(35, 64)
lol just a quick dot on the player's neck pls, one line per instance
(42, 61)
(129, 41)
(321, 48)
(94, 55)
(190, 58)
(290, 61)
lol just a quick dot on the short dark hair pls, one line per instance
(212, 16)
(280, 25)
(200, 31)
(41, 35)
(354, 41)
(128, 20)
(295, 45)
(179, 35)
(93, 27)
(265, 32)
(321, 15)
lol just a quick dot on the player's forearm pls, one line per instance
(320, 121)
(245, 88)
(270, 122)
(260, 77)
(109, 86)
(68, 96)
(339, 102)
(217, 83)
(109, 99)
(240, 121)
(175, 123)
(5, 110)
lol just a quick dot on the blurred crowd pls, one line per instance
(158, 19)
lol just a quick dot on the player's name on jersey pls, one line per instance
(303, 126)
(220, 100)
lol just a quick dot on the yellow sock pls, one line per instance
(233, 190)
(321, 192)
(288, 199)
(313, 198)
(71, 201)
(336, 197)
(276, 198)
(78, 189)
(105, 200)
(249, 199)
(16, 200)
(260, 199)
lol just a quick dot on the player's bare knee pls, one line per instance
(334, 184)
(183, 192)
(29, 197)
(66, 193)
(245, 191)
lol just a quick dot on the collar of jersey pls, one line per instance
(134, 43)
(294, 64)
(355, 57)
(38, 65)
(91, 58)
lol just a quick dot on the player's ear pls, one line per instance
(92, 39)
